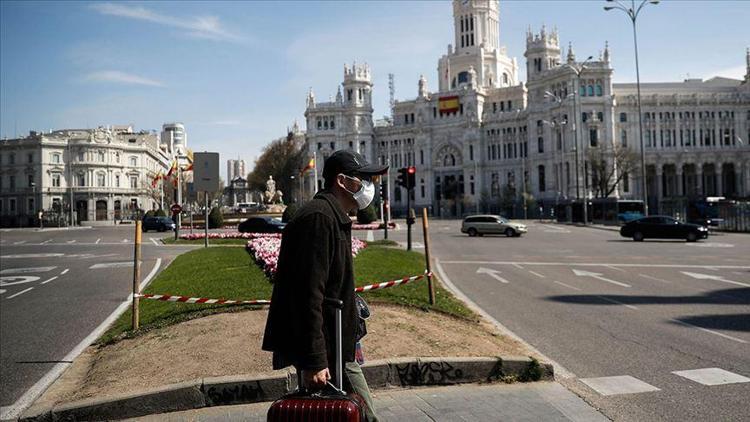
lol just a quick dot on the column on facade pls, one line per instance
(659, 182)
(699, 179)
(719, 177)
(679, 186)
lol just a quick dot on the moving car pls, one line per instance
(261, 225)
(158, 223)
(663, 227)
(478, 225)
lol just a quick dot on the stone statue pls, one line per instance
(472, 77)
(270, 193)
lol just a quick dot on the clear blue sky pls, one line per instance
(237, 73)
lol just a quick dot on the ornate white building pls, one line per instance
(106, 173)
(485, 136)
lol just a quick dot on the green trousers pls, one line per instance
(354, 381)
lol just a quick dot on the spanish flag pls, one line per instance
(172, 169)
(310, 165)
(188, 168)
(156, 179)
(448, 104)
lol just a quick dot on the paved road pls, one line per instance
(669, 321)
(57, 287)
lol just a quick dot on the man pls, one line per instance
(315, 261)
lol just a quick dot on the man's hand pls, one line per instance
(316, 379)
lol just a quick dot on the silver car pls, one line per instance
(478, 225)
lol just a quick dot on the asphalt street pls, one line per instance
(654, 330)
(57, 287)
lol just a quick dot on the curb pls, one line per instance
(231, 390)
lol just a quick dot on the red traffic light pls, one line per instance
(412, 170)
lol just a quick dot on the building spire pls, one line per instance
(606, 51)
(747, 63)
(571, 54)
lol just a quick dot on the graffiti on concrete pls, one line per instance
(428, 373)
(235, 393)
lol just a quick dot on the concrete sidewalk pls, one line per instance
(538, 401)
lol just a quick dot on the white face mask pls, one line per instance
(364, 195)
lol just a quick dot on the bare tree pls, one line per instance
(607, 167)
(281, 159)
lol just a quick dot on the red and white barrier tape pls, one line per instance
(186, 299)
(391, 283)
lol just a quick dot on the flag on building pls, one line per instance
(172, 168)
(156, 179)
(310, 165)
(448, 104)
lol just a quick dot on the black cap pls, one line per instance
(350, 163)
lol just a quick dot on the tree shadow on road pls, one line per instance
(735, 322)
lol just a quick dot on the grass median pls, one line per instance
(231, 273)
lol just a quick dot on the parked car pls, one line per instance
(663, 227)
(261, 225)
(160, 224)
(479, 225)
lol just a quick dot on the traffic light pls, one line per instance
(411, 177)
(403, 177)
(383, 190)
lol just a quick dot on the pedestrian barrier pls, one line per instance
(187, 299)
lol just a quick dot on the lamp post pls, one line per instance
(561, 127)
(633, 13)
(578, 70)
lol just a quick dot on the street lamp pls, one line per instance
(633, 13)
(561, 127)
(578, 70)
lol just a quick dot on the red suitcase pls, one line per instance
(330, 405)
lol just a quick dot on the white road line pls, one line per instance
(65, 271)
(98, 240)
(537, 274)
(154, 241)
(124, 240)
(32, 255)
(739, 340)
(713, 277)
(46, 241)
(71, 241)
(27, 270)
(654, 278)
(559, 369)
(635, 308)
(111, 265)
(598, 277)
(517, 266)
(20, 293)
(591, 264)
(19, 243)
(47, 281)
(14, 410)
(616, 269)
(2, 291)
(566, 285)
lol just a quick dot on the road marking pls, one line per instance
(537, 274)
(31, 255)
(518, 266)
(714, 277)
(370, 236)
(71, 241)
(654, 278)
(559, 369)
(2, 291)
(14, 410)
(65, 271)
(492, 273)
(712, 376)
(597, 264)
(124, 240)
(97, 241)
(598, 277)
(46, 241)
(154, 241)
(19, 242)
(625, 384)
(617, 302)
(17, 279)
(616, 269)
(111, 265)
(27, 270)
(711, 245)
(726, 336)
(47, 281)
(20, 293)
(414, 245)
(566, 285)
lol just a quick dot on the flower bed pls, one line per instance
(227, 235)
(373, 226)
(265, 250)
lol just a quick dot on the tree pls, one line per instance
(607, 167)
(280, 159)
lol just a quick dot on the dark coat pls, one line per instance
(315, 261)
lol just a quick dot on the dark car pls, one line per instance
(261, 225)
(158, 223)
(662, 227)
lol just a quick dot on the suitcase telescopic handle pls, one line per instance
(339, 305)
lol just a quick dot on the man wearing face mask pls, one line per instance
(315, 261)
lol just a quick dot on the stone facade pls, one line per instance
(107, 172)
(506, 139)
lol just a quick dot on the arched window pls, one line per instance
(582, 91)
(100, 177)
(599, 91)
(100, 156)
(56, 158)
(449, 160)
(541, 179)
(505, 79)
(133, 161)
(623, 117)
(590, 90)
(463, 77)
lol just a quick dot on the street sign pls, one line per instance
(175, 208)
(206, 171)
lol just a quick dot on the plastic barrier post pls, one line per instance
(425, 229)
(136, 273)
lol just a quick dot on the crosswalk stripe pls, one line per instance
(624, 384)
(712, 376)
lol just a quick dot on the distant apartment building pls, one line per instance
(105, 173)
